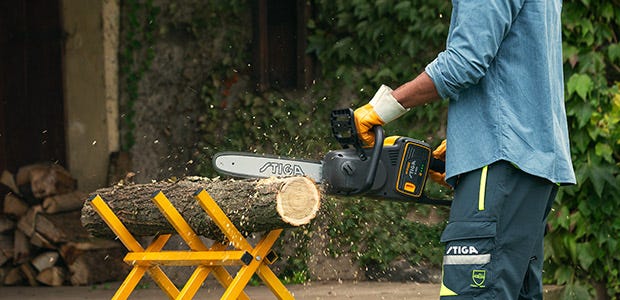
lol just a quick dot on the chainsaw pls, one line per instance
(395, 168)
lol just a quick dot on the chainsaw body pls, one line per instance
(401, 170)
(394, 168)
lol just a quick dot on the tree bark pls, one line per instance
(252, 205)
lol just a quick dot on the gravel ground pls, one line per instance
(312, 291)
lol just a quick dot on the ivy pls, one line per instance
(377, 232)
(584, 229)
(361, 45)
(136, 57)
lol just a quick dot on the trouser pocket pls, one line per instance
(467, 262)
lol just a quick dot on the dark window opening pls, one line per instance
(32, 124)
(280, 44)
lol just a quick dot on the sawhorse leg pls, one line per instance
(130, 282)
(262, 249)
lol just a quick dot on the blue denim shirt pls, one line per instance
(502, 71)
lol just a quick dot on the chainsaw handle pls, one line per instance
(345, 132)
(437, 165)
(374, 159)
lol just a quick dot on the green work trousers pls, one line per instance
(494, 238)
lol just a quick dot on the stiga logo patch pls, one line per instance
(478, 277)
(461, 250)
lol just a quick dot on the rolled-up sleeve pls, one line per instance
(477, 29)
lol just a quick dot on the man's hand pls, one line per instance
(365, 118)
(440, 154)
(382, 109)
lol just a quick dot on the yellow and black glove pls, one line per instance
(382, 109)
(440, 154)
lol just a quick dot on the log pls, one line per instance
(45, 260)
(40, 241)
(6, 224)
(27, 223)
(9, 180)
(22, 247)
(3, 258)
(252, 205)
(38, 181)
(3, 271)
(29, 273)
(72, 250)
(15, 206)
(65, 202)
(97, 266)
(14, 276)
(7, 248)
(60, 228)
(94, 260)
(53, 276)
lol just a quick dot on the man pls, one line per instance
(507, 141)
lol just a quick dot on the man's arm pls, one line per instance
(418, 91)
(387, 105)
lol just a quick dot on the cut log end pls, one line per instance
(298, 200)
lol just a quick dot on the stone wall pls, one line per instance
(170, 102)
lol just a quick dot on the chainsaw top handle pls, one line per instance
(374, 160)
(345, 132)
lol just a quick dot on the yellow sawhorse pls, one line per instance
(253, 260)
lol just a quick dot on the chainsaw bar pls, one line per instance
(249, 165)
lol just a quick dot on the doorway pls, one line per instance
(32, 121)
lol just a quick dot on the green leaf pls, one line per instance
(385, 73)
(600, 175)
(570, 54)
(582, 111)
(608, 11)
(575, 292)
(564, 218)
(605, 151)
(563, 274)
(580, 141)
(584, 253)
(403, 6)
(580, 83)
(613, 51)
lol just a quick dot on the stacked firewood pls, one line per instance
(42, 241)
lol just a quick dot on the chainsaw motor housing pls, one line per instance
(401, 170)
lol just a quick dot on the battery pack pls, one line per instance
(413, 168)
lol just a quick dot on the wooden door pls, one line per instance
(32, 126)
(280, 33)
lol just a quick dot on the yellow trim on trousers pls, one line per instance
(444, 290)
(483, 187)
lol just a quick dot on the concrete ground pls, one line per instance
(332, 290)
(310, 291)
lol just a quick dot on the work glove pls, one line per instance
(382, 109)
(440, 154)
